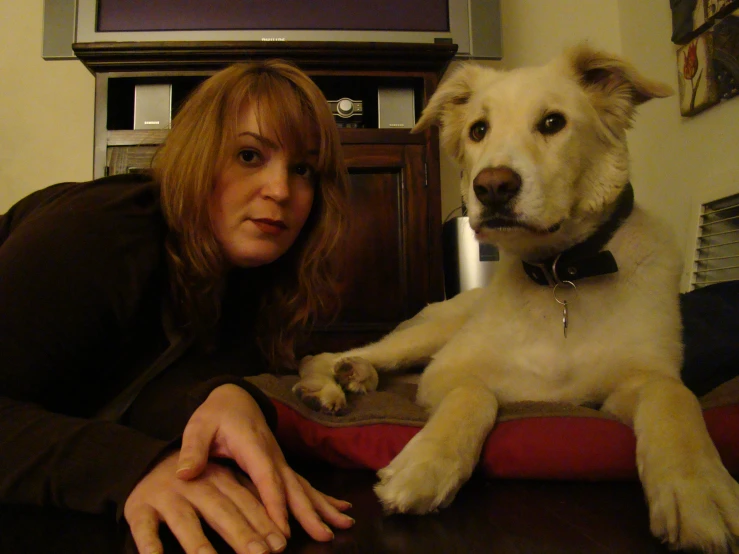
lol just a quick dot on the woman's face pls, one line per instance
(262, 195)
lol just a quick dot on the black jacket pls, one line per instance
(82, 273)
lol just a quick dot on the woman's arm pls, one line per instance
(76, 264)
(49, 459)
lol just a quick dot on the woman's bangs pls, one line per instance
(287, 113)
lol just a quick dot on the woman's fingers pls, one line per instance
(329, 508)
(225, 517)
(144, 525)
(246, 499)
(196, 442)
(184, 523)
(261, 465)
(303, 509)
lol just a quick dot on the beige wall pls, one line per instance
(677, 162)
(47, 108)
(46, 113)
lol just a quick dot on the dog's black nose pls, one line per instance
(495, 186)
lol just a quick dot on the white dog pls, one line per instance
(583, 307)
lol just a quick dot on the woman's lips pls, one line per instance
(269, 226)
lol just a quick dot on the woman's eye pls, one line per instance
(248, 156)
(551, 123)
(304, 170)
(478, 130)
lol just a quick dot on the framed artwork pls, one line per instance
(708, 64)
(726, 56)
(688, 19)
(694, 71)
(719, 8)
(691, 17)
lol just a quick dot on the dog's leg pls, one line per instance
(693, 501)
(324, 377)
(432, 467)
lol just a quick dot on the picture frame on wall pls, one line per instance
(696, 85)
(720, 8)
(725, 37)
(688, 19)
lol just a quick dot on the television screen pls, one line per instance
(473, 25)
(349, 15)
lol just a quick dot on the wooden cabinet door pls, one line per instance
(385, 262)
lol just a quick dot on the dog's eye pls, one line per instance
(478, 130)
(551, 123)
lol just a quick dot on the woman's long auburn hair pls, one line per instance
(301, 284)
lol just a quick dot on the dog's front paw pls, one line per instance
(356, 375)
(422, 478)
(326, 397)
(695, 507)
(317, 387)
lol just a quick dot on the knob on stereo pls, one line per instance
(345, 106)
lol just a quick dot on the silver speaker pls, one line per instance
(468, 264)
(152, 106)
(396, 108)
(58, 34)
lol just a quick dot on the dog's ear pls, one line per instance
(450, 98)
(613, 85)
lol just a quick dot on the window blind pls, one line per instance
(717, 249)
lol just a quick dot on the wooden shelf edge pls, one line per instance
(152, 137)
(341, 56)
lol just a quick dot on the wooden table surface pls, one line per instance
(488, 516)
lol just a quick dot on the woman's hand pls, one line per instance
(217, 496)
(229, 424)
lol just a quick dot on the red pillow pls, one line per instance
(534, 440)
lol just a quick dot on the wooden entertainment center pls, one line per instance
(391, 262)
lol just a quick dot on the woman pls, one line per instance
(221, 255)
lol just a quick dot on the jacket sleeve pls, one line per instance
(69, 280)
(164, 406)
(50, 459)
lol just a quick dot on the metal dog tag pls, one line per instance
(563, 302)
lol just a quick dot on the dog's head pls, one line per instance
(543, 149)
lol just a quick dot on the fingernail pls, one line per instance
(256, 547)
(276, 542)
(327, 528)
(183, 469)
(351, 519)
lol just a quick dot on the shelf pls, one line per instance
(137, 137)
(310, 56)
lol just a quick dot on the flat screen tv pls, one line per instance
(474, 25)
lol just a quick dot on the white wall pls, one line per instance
(46, 113)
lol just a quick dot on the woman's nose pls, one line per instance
(277, 183)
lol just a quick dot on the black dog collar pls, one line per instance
(585, 259)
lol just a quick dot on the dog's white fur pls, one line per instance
(505, 343)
